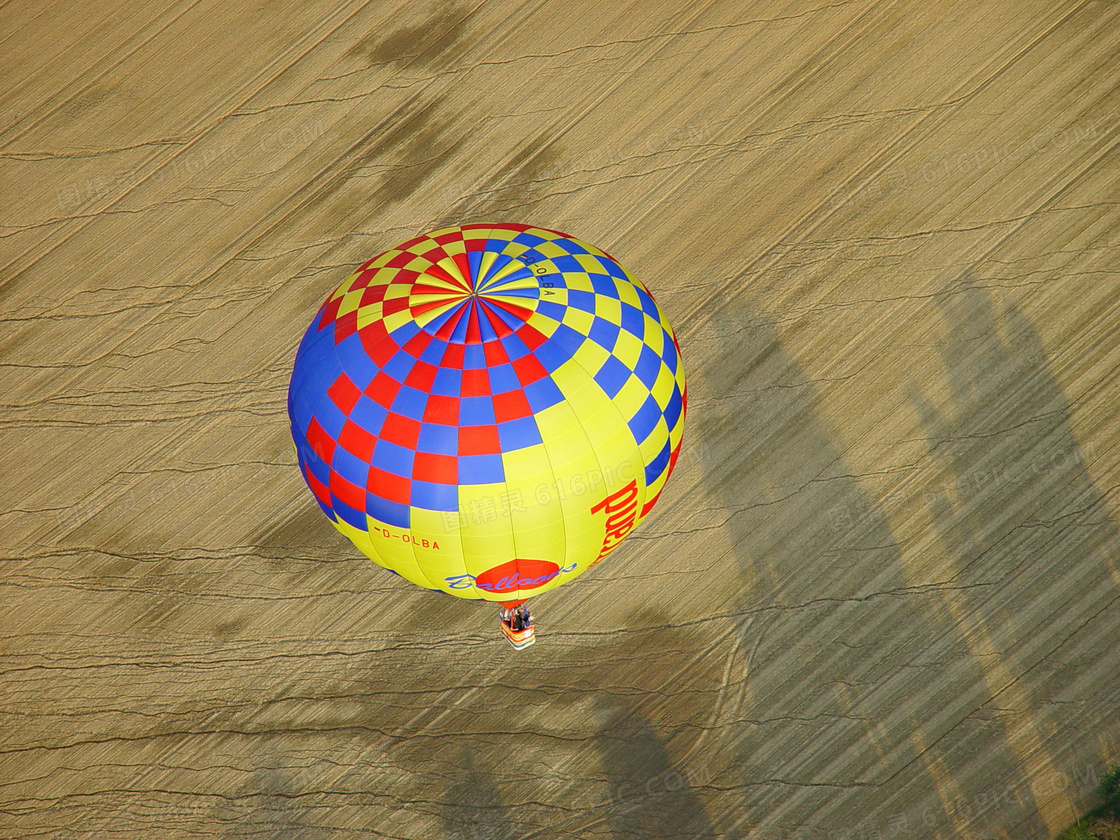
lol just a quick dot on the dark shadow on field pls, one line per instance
(434, 42)
(523, 183)
(588, 739)
(473, 808)
(845, 660)
(308, 532)
(1021, 519)
(650, 794)
(277, 810)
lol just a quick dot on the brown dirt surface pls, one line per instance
(880, 597)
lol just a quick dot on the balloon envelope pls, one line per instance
(487, 410)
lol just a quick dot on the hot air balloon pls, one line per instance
(488, 410)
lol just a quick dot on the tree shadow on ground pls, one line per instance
(560, 741)
(651, 795)
(1025, 528)
(473, 808)
(846, 662)
(277, 807)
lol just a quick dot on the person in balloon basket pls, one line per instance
(517, 624)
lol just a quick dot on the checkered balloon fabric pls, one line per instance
(487, 410)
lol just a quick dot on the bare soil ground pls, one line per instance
(880, 597)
